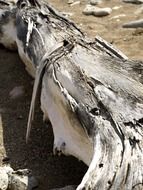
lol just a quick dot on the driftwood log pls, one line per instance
(91, 93)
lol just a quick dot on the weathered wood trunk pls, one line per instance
(92, 95)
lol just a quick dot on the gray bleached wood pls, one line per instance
(93, 98)
(3, 179)
(104, 112)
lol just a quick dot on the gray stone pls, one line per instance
(96, 11)
(16, 92)
(116, 7)
(22, 180)
(75, 3)
(70, 1)
(118, 16)
(134, 24)
(67, 14)
(95, 2)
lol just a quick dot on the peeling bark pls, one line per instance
(92, 94)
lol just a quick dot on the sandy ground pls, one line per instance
(53, 171)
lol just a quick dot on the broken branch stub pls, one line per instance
(92, 95)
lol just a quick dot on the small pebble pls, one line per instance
(116, 7)
(16, 92)
(96, 11)
(118, 16)
(95, 2)
(75, 3)
(67, 14)
(70, 1)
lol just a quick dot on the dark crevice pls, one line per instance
(95, 111)
(101, 165)
(109, 182)
(128, 170)
(23, 4)
(65, 43)
(137, 185)
(140, 121)
(91, 84)
(35, 3)
(133, 141)
(129, 124)
(3, 3)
